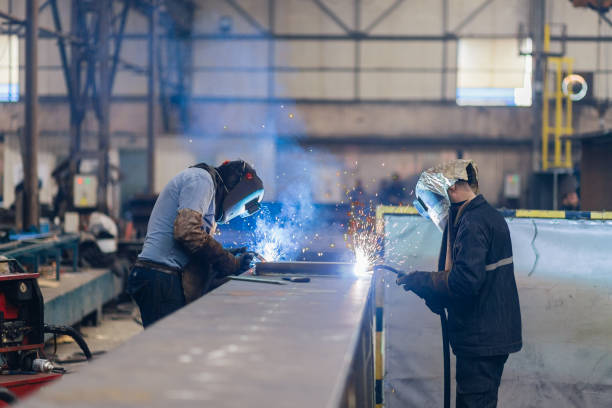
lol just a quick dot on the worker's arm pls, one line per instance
(189, 232)
(463, 280)
(195, 197)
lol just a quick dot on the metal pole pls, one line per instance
(271, 49)
(151, 99)
(537, 23)
(357, 61)
(444, 50)
(75, 86)
(104, 38)
(30, 164)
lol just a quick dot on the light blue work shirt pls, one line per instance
(192, 188)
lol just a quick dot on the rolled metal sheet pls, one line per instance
(305, 268)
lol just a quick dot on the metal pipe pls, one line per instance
(151, 99)
(541, 43)
(357, 52)
(62, 48)
(444, 50)
(271, 49)
(119, 42)
(30, 145)
(105, 7)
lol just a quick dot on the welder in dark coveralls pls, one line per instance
(475, 282)
(180, 257)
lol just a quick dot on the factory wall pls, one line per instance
(337, 97)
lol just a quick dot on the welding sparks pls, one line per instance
(365, 248)
(363, 262)
(272, 240)
(362, 238)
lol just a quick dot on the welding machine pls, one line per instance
(22, 332)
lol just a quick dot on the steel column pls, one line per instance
(104, 19)
(30, 145)
(151, 99)
(444, 49)
(536, 28)
(357, 62)
(271, 49)
(75, 85)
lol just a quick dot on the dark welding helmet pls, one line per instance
(244, 196)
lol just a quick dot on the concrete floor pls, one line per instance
(120, 322)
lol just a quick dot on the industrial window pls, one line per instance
(491, 72)
(9, 68)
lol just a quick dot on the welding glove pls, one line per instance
(188, 232)
(237, 251)
(245, 260)
(430, 286)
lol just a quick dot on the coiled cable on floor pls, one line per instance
(69, 331)
(7, 396)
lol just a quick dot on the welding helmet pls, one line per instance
(431, 191)
(243, 191)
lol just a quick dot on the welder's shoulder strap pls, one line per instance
(188, 232)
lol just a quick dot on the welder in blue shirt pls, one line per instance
(475, 282)
(180, 256)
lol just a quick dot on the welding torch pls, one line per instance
(244, 250)
(387, 268)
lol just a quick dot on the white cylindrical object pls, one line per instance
(41, 365)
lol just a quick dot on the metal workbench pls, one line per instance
(243, 345)
(33, 250)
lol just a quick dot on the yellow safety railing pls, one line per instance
(563, 117)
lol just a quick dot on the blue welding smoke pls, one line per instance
(284, 234)
(266, 135)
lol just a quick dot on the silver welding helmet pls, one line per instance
(244, 198)
(431, 191)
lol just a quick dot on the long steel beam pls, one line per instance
(244, 344)
(365, 37)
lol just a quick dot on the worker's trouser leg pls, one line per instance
(157, 293)
(478, 380)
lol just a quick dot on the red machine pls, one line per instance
(23, 368)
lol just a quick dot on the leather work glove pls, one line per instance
(244, 260)
(430, 286)
(188, 232)
(417, 281)
(237, 251)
